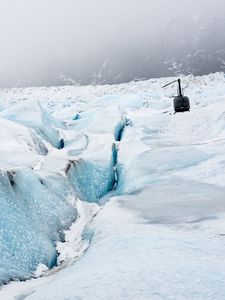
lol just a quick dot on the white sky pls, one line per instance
(43, 39)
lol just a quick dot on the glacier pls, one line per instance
(33, 217)
(132, 207)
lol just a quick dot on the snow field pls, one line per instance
(160, 233)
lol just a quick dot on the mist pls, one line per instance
(49, 42)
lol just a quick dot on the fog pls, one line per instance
(56, 42)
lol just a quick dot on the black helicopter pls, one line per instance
(181, 103)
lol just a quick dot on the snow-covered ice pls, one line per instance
(134, 203)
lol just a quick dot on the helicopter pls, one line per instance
(181, 103)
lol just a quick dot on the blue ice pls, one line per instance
(32, 218)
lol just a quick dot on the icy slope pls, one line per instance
(40, 183)
(159, 177)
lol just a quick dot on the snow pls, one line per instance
(43, 123)
(131, 208)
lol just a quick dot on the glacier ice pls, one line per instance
(32, 219)
(91, 180)
(33, 115)
(160, 236)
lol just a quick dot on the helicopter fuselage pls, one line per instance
(181, 104)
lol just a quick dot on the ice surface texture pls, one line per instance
(32, 218)
(162, 234)
(36, 191)
(91, 181)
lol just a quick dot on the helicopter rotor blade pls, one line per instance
(169, 83)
